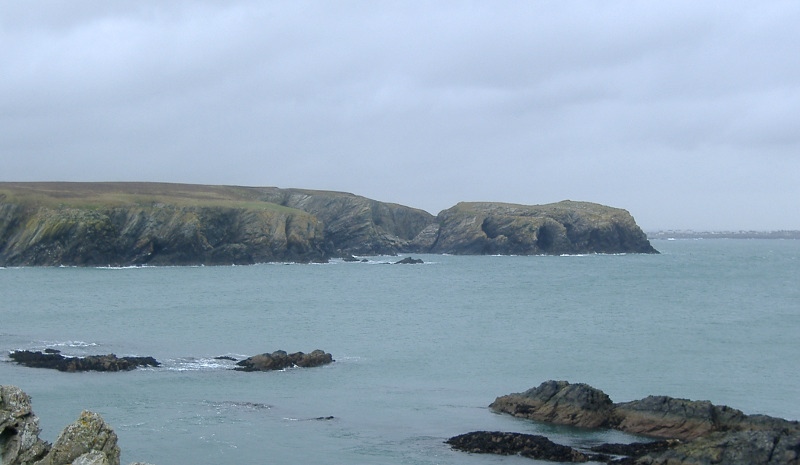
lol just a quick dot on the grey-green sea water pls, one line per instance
(421, 350)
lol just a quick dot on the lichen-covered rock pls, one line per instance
(559, 402)
(19, 429)
(280, 360)
(89, 434)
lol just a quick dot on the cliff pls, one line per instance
(119, 224)
(560, 228)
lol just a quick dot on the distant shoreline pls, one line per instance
(684, 234)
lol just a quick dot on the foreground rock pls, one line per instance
(53, 359)
(88, 441)
(280, 360)
(702, 433)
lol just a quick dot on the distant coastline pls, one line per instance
(689, 234)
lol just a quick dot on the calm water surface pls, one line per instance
(420, 350)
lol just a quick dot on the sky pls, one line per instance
(684, 113)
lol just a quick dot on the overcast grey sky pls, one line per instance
(685, 113)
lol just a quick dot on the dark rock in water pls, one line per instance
(409, 261)
(225, 357)
(698, 432)
(350, 259)
(59, 362)
(526, 445)
(635, 449)
(280, 360)
(52, 351)
(325, 418)
(559, 402)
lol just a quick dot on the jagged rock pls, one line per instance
(88, 435)
(526, 445)
(19, 429)
(280, 360)
(55, 360)
(409, 261)
(559, 402)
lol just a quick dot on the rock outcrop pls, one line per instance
(53, 359)
(560, 228)
(280, 360)
(129, 224)
(700, 432)
(87, 441)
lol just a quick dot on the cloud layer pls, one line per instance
(684, 113)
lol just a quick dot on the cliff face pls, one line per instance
(177, 224)
(133, 224)
(354, 224)
(560, 228)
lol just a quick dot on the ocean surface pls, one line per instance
(421, 350)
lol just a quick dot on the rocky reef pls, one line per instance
(280, 360)
(691, 432)
(130, 224)
(54, 359)
(87, 441)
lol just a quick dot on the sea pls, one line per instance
(420, 350)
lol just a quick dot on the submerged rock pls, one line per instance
(54, 360)
(280, 360)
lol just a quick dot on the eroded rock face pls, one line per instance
(280, 360)
(19, 429)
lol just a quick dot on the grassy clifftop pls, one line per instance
(160, 223)
(179, 224)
